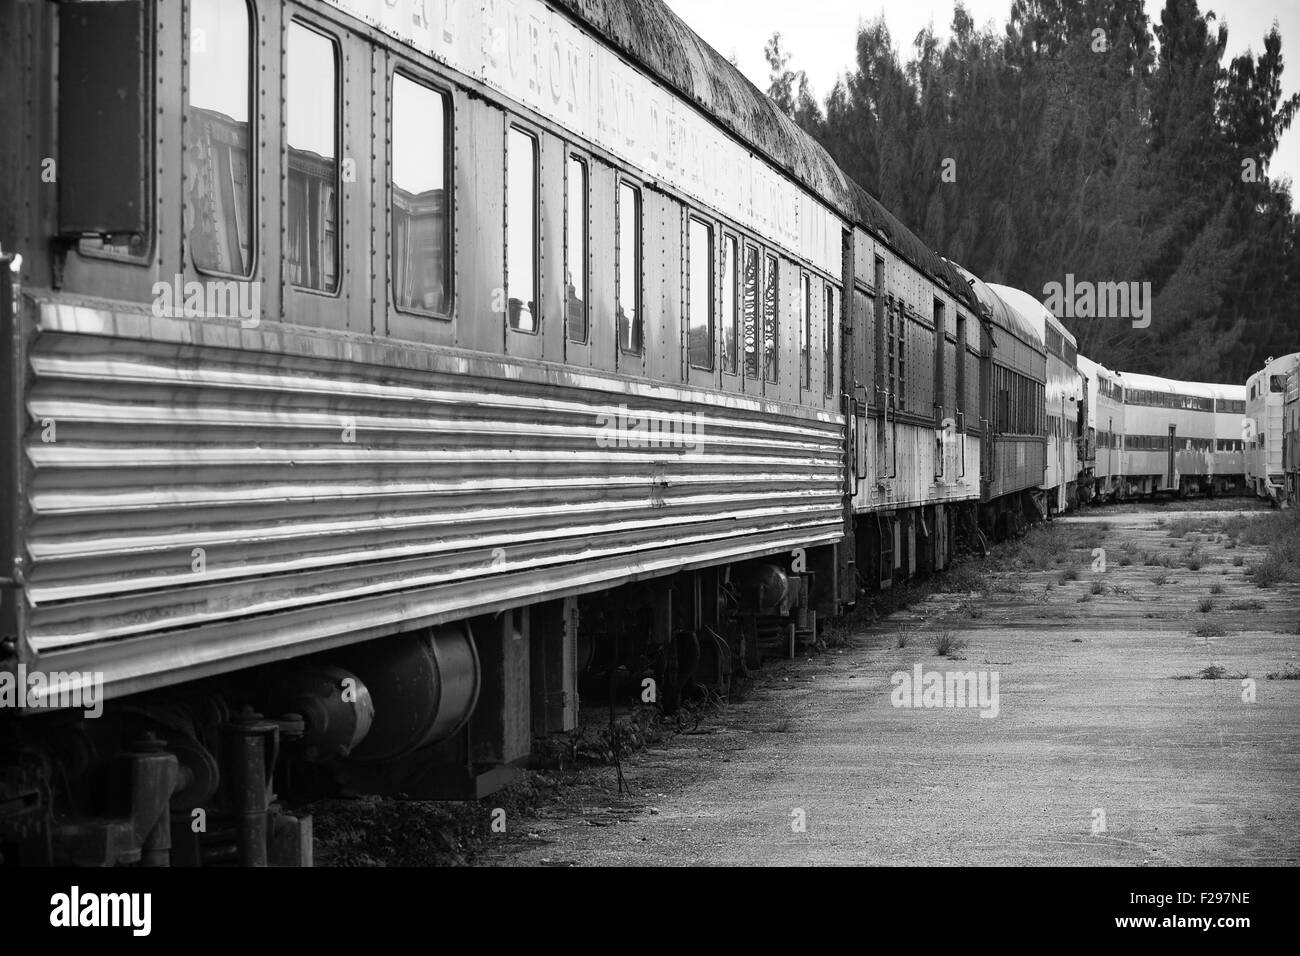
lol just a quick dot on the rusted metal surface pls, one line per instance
(190, 488)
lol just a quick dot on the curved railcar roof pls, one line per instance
(1090, 368)
(648, 32)
(1155, 383)
(1032, 311)
(1005, 318)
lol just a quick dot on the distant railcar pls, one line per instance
(1103, 442)
(1270, 452)
(1180, 437)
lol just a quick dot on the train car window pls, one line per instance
(770, 300)
(805, 331)
(218, 138)
(832, 310)
(961, 364)
(521, 230)
(730, 312)
(900, 353)
(421, 245)
(700, 277)
(627, 251)
(1277, 383)
(751, 294)
(940, 336)
(311, 135)
(575, 250)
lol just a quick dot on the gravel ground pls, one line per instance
(1108, 747)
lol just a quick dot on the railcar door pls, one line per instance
(1170, 479)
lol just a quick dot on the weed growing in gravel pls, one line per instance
(1206, 605)
(946, 644)
(1160, 580)
(1217, 589)
(1210, 629)
(1289, 672)
(1097, 588)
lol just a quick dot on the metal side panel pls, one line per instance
(195, 507)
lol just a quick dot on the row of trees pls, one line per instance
(1084, 140)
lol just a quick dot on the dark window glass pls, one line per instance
(628, 254)
(421, 255)
(770, 300)
(311, 101)
(751, 294)
(730, 313)
(828, 344)
(700, 337)
(521, 229)
(575, 251)
(805, 331)
(218, 138)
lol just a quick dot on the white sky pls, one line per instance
(821, 36)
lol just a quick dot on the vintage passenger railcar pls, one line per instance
(1063, 399)
(1013, 379)
(378, 369)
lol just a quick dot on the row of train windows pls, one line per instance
(1110, 390)
(1020, 403)
(1062, 427)
(1159, 399)
(221, 196)
(1161, 443)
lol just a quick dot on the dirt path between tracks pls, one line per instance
(1144, 716)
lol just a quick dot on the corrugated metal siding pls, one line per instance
(453, 480)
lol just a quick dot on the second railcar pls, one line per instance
(1013, 376)
(1063, 399)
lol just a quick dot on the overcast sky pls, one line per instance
(821, 34)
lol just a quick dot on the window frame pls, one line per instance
(411, 75)
(736, 367)
(336, 42)
(571, 156)
(772, 258)
(710, 263)
(514, 125)
(747, 246)
(828, 347)
(805, 330)
(637, 293)
(254, 148)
